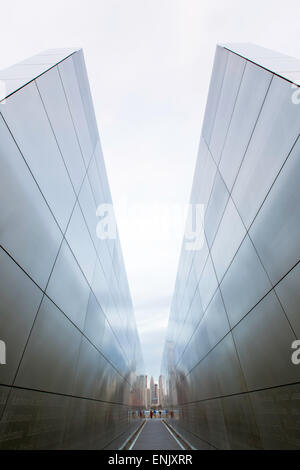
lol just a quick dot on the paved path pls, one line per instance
(155, 436)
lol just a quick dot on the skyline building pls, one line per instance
(154, 393)
(152, 390)
(148, 392)
(74, 368)
(155, 400)
(229, 374)
(160, 390)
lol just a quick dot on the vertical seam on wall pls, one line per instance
(230, 191)
(214, 180)
(250, 238)
(68, 106)
(89, 93)
(229, 197)
(219, 94)
(87, 166)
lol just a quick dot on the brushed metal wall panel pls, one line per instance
(289, 296)
(215, 321)
(33, 420)
(204, 175)
(246, 112)
(230, 87)
(277, 415)
(218, 374)
(219, 67)
(216, 424)
(275, 231)
(50, 358)
(216, 206)
(88, 207)
(241, 427)
(208, 283)
(200, 258)
(54, 99)
(85, 92)
(72, 91)
(27, 120)
(20, 300)
(196, 311)
(101, 289)
(211, 329)
(245, 282)
(263, 341)
(95, 182)
(68, 287)
(94, 322)
(81, 246)
(28, 231)
(228, 239)
(227, 367)
(276, 131)
(4, 393)
(90, 367)
(99, 159)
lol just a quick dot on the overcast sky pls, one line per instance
(149, 64)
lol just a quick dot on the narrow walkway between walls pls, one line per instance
(155, 435)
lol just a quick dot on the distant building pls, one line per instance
(156, 392)
(160, 390)
(145, 392)
(152, 390)
(148, 403)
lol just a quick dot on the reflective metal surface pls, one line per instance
(227, 370)
(230, 86)
(74, 368)
(27, 120)
(28, 231)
